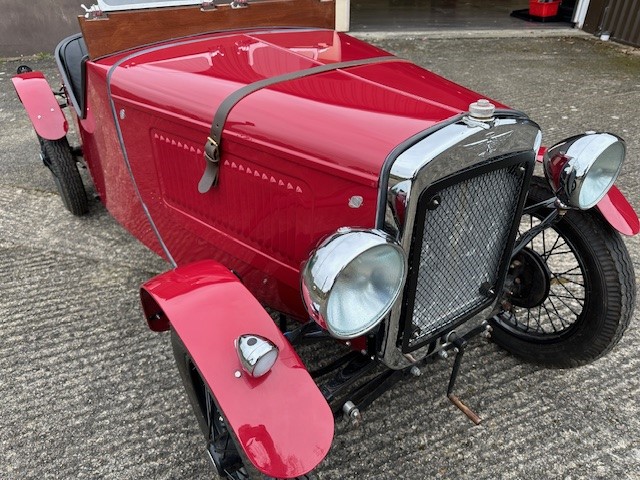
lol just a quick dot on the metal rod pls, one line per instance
(531, 234)
(334, 365)
(332, 389)
(460, 345)
(548, 203)
(473, 416)
(374, 388)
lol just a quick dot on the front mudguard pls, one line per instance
(617, 210)
(281, 421)
(41, 105)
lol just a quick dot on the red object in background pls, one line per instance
(546, 9)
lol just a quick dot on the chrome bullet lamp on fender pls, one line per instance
(257, 354)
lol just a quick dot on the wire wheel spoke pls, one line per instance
(570, 297)
(220, 442)
(546, 253)
(566, 295)
(555, 312)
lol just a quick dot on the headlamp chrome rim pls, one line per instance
(582, 169)
(328, 262)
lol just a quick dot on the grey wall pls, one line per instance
(34, 26)
(623, 21)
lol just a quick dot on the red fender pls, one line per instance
(41, 106)
(282, 421)
(614, 207)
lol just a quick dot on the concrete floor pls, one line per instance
(89, 392)
(429, 15)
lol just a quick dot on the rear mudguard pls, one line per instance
(281, 420)
(41, 105)
(614, 208)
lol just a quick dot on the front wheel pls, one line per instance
(221, 445)
(57, 156)
(573, 289)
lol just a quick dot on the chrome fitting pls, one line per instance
(351, 412)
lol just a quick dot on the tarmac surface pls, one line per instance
(88, 391)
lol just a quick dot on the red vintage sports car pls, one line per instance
(297, 173)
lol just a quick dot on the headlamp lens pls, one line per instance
(365, 291)
(601, 175)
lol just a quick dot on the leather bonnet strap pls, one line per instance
(212, 146)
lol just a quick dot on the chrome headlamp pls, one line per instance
(352, 280)
(582, 169)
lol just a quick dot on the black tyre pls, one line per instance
(573, 289)
(58, 158)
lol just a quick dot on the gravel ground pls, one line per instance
(88, 392)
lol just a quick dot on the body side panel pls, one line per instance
(293, 154)
(262, 219)
(104, 158)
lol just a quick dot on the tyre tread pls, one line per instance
(67, 176)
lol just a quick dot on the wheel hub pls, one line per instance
(531, 279)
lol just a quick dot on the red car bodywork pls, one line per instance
(276, 198)
(293, 156)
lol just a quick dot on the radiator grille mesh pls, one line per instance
(463, 242)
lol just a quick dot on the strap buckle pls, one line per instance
(212, 160)
(211, 151)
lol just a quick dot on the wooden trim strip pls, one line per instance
(119, 31)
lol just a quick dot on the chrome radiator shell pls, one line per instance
(444, 152)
